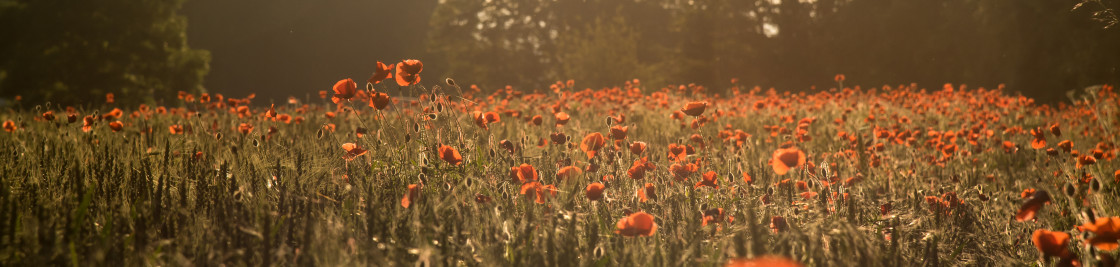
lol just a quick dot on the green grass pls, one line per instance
(103, 198)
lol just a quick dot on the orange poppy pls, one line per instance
(747, 178)
(637, 148)
(647, 192)
(411, 196)
(682, 172)
(1085, 160)
(381, 73)
(542, 192)
(87, 124)
(109, 98)
(408, 72)
(1051, 243)
(595, 191)
(638, 170)
(561, 118)
(619, 132)
(637, 224)
(778, 224)
(245, 128)
(1030, 208)
(1027, 193)
(524, 173)
(592, 143)
(352, 151)
(174, 129)
(344, 90)
(839, 78)
(379, 100)
(764, 261)
(10, 126)
(677, 152)
(1039, 141)
(568, 172)
(1066, 145)
(1106, 233)
(450, 154)
(708, 179)
(271, 111)
(712, 216)
(1056, 130)
(49, 115)
(116, 126)
(695, 108)
(785, 159)
(537, 120)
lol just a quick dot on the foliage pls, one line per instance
(74, 52)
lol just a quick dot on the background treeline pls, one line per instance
(1041, 48)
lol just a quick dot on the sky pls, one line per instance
(281, 48)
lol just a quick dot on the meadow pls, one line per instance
(404, 173)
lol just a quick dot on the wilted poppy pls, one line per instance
(595, 191)
(381, 73)
(708, 179)
(637, 224)
(1106, 232)
(785, 159)
(592, 143)
(344, 90)
(647, 192)
(1051, 244)
(695, 108)
(450, 155)
(411, 196)
(352, 151)
(408, 72)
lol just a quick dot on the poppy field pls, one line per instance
(399, 171)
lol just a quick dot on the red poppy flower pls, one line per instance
(677, 152)
(568, 172)
(619, 132)
(245, 128)
(747, 178)
(778, 224)
(48, 116)
(764, 261)
(708, 179)
(1056, 130)
(10, 126)
(352, 151)
(87, 124)
(408, 72)
(712, 216)
(592, 143)
(1030, 208)
(638, 170)
(379, 100)
(1051, 244)
(537, 120)
(411, 196)
(344, 90)
(116, 126)
(637, 224)
(561, 118)
(271, 111)
(647, 192)
(695, 108)
(682, 172)
(109, 98)
(381, 73)
(1106, 233)
(450, 155)
(524, 173)
(1039, 138)
(541, 192)
(174, 129)
(637, 148)
(595, 191)
(1066, 145)
(785, 159)
(1085, 160)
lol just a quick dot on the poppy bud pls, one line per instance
(416, 127)
(255, 143)
(218, 136)
(1095, 185)
(1069, 189)
(450, 82)
(431, 116)
(233, 149)
(610, 121)
(319, 134)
